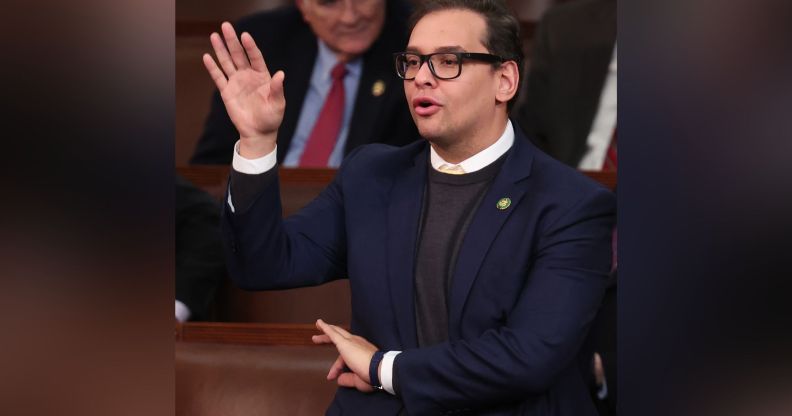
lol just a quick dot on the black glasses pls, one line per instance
(444, 65)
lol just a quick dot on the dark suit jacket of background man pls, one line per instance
(200, 269)
(572, 52)
(288, 44)
(528, 281)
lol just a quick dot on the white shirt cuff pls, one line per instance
(253, 166)
(386, 376)
(182, 312)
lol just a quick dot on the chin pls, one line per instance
(355, 47)
(430, 133)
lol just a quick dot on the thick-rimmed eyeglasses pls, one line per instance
(444, 65)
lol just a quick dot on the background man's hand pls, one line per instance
(355, 353)
(253, 99)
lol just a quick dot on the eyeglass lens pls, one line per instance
(442, 65)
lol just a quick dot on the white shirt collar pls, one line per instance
(483, 158)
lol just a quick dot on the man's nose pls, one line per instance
(349, 12)
(425, 75)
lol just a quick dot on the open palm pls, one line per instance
(253, 99)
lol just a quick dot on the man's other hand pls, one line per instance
(354, 351)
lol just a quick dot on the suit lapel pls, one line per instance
(486, 223)
(404, 213)
(380, 90)
(376, 85)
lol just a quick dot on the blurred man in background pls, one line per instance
(341, 89)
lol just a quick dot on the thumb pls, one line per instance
(276, 85)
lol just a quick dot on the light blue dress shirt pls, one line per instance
(320, 85)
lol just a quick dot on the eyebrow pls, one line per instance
(455, 48)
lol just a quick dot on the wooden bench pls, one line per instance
(300, 186)
(246, 369)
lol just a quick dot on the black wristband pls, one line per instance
(373, 367)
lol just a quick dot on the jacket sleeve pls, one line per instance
(543, 332)
(264, 251)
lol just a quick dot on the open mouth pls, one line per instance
(425, 106)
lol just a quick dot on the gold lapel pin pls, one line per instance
(503, 203)
(378, 88)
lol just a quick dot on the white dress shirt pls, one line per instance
(481, 159)
(318, 89)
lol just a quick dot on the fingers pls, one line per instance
(254, 54)
(329, 330)
(222, 54)
(347, 380)
(238, 55)
(276, 86)
(336, 369)
(214, 71)
(232, 57)
(334, 328)
(353, 381)
(321, 339)
(342, 331)
(599, 372)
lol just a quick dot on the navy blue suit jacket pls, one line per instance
(528, 281)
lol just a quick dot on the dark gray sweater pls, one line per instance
(449, 205)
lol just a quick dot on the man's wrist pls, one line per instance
(256, 147)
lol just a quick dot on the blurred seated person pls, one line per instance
(570, 103)
(199, 254)
(339, 84)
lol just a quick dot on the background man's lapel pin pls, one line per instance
(378, 88)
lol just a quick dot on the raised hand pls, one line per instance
(253, 99)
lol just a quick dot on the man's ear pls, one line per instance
(508, 80)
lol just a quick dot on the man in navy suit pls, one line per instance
(476, 262)
(306, 40)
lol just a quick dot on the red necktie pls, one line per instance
(325, 132)
(611, 160)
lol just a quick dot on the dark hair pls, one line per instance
(503, 28)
